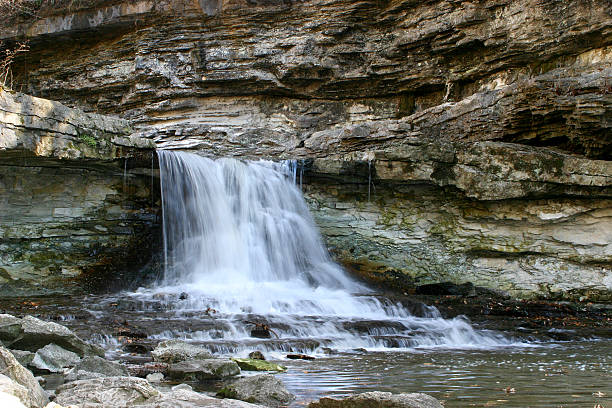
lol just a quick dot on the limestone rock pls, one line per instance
(250, 364)
(21, 396)
(379, 399)
(24, 357)
(106, 392)
(202, 370)
(10, 367)
(121, 392)
(256, 355)
(53, 358)
(155, 377)
(190, 399)
(95, 367)
(263, 389)
(36, 334)
(173, 351)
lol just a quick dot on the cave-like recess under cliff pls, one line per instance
(438, 141)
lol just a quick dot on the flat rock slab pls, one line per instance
(123, 392)
(377, 399)
(106, 392)
(96, 367)
(174, 351)
(250, 364)
(53, 358)
(202, 370)
(31, 334)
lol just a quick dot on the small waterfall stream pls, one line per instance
(240, 245)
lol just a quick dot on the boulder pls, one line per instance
(24, 357)
(106, 392)
(95, 367)
(53, 358)
(202, 370)
(263, 389)
(188, 399)
(33, 334)
(122, 392)
(380, 400)
(10, 328)
(256, 355)
(250, 364)
(174, 351)
(10, 367)
(155, 377)
(15, 395)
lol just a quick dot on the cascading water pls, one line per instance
(239, 242)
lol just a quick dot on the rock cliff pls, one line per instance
(76, 213)
(456, 141)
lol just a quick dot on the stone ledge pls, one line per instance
(35, 127)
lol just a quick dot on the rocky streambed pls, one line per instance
(157, 355)
(74, 374)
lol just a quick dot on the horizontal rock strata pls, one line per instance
(441, 141)
(72, 214)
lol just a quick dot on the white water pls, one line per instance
(238, 238)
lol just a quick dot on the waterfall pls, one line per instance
(239, 240)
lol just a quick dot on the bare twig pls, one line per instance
(6, 59)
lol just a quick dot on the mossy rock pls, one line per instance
(249, 364)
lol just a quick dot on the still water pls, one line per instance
(576, 374)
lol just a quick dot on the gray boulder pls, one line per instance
(53, 358)
(191, 399)
(380, 400)
(202, 370)
(24, 357)
(174, 351)
(123, 392)
(106, 392)
(10, 367)
(264, 389)
(95, 367)
(32, 334)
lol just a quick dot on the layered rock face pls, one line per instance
(72, 216)
(480, 129)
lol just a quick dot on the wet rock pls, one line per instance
(250, 364)
(447, 288)
(174, 351)
(35, 334)
(137, 348)
(299, 357)
(53, 358)
(24, 357)
(202, 370)
(10, 367)
(106, 392)
(95, 367)
(260, 333)
(263, 389)
(379, 399)
(256, 355)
